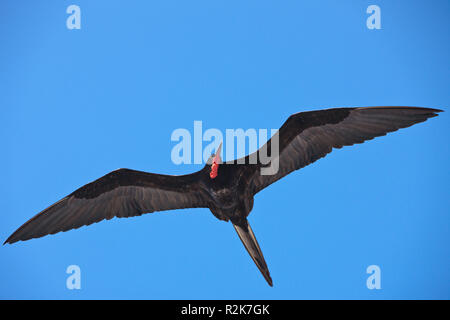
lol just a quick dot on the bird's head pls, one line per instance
(214, 161)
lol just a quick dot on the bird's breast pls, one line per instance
(225, 198)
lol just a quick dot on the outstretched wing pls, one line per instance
(122, 193)
(308, 136)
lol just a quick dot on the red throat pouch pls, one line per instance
(214, 168)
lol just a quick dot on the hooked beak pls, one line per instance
(215, 163)
(217, 158)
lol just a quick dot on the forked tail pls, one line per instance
(248, 239)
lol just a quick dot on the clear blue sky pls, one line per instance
(76, 104)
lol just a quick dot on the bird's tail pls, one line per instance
(248, 239)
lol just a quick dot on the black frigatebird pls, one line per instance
(228, 188)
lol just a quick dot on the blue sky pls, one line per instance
(76, 104)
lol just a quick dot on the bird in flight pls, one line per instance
(228, 188)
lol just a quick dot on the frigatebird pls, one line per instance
(228, 188)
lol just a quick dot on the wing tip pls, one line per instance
(16, 238)
(11, 240)
(429, 110)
